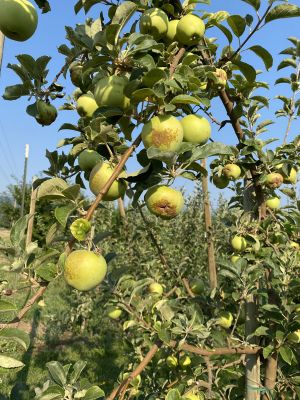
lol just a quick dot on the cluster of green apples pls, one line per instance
(229, 172)
(18, 19)
(183, 361)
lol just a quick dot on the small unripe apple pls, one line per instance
(221, 182)
(239, 243)
(163, 132)
(235, 258)
(172, 30)
(172, 361)
(87, 159)
(294, 245)
(190, 30)
(18, 19)
(47, 113)
(291, 178)
(100, 174)
(164, 201)
(197, 286)
(154, 22)
(232, 171)
(86, 105)
(156, 288)
(84, 270)
(194, 396)
(196, 129)
(294, 337)
(114, 312)
(273, 203)
(225, 320)
(76, 73)
(274, 180)
(184, 361)
(221, 80)
(109, 91)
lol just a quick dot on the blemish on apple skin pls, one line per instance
(164, 137)
(165, 208)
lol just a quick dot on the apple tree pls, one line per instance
(146, 77)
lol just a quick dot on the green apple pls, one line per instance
(86, 105)
(46, 113)
(193, 396)
(294, 245)
(196, 129)
(156, 288)
(232, 171)
(18, 19)
(109, 91)
(171, 32)
(294, 337)
(154, 22)
(184, 361)
(114, 312)
(225, 319)
(164, 201)
(291, 178)
(221, 78)
(273, 203)
(87, 159)
(239, 243)
(172, 361)
(99, 176)
(274, 180)
(84, 270)
(190, 30)
(163, 132)
(221, 182)
(76, 73)
(235, 258)
(197, 286)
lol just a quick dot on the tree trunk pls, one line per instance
(271, 374)
(212, 269)
(122, 208)
(31, 216)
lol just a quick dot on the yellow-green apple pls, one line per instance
(184, 361)
(156, 288)
(172, 361)
(76, 73)
(84, 270)
(87, 159)
(221, 182)
(100, 174)
(196, 129)
(294, 245)
(225, 319)
(193, 396)
(109, 91)
(163, 132)
(154, 22)
(86, 105)
(164, 201)
(238, 243)
(114, 312)
(171, 32)
(221, 78)
(232, 171)
(18, 19)
(235, 258)
(294, 337)
(273, 203)
(46, 113)
(274, 180)
(291, 178)
(190, 30)
(197, 286)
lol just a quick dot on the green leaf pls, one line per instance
(254, 3)
(16, 91)
(286, 354)
(7, 306)
(62, 214)
(52, 188)
(210, 149)
(77, 370)
(94, 393)
(247, 70)
(173, 394)
(264, 55)
(57, 372)
(43, 5)
(283, 11)
(17, 335)
(287, 62)
(185, 99)
(47, 271)
(237, 24)
(17, 233)
(8, 362)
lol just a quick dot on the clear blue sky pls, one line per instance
(17, 128)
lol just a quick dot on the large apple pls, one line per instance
(190, 30)
(109, 91)
(225, 319)
(164, 132)
(172, 30)
(239, 243)
(196, 129)
(273, 203)
(86, 105)
(232, 171)
(18, 19)
(84, 270)
(156, 288)
(46, 113)
(164, 201)
(154, 22)
(100, 175)
(274, 180)
(221, 182)
(87, 159)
